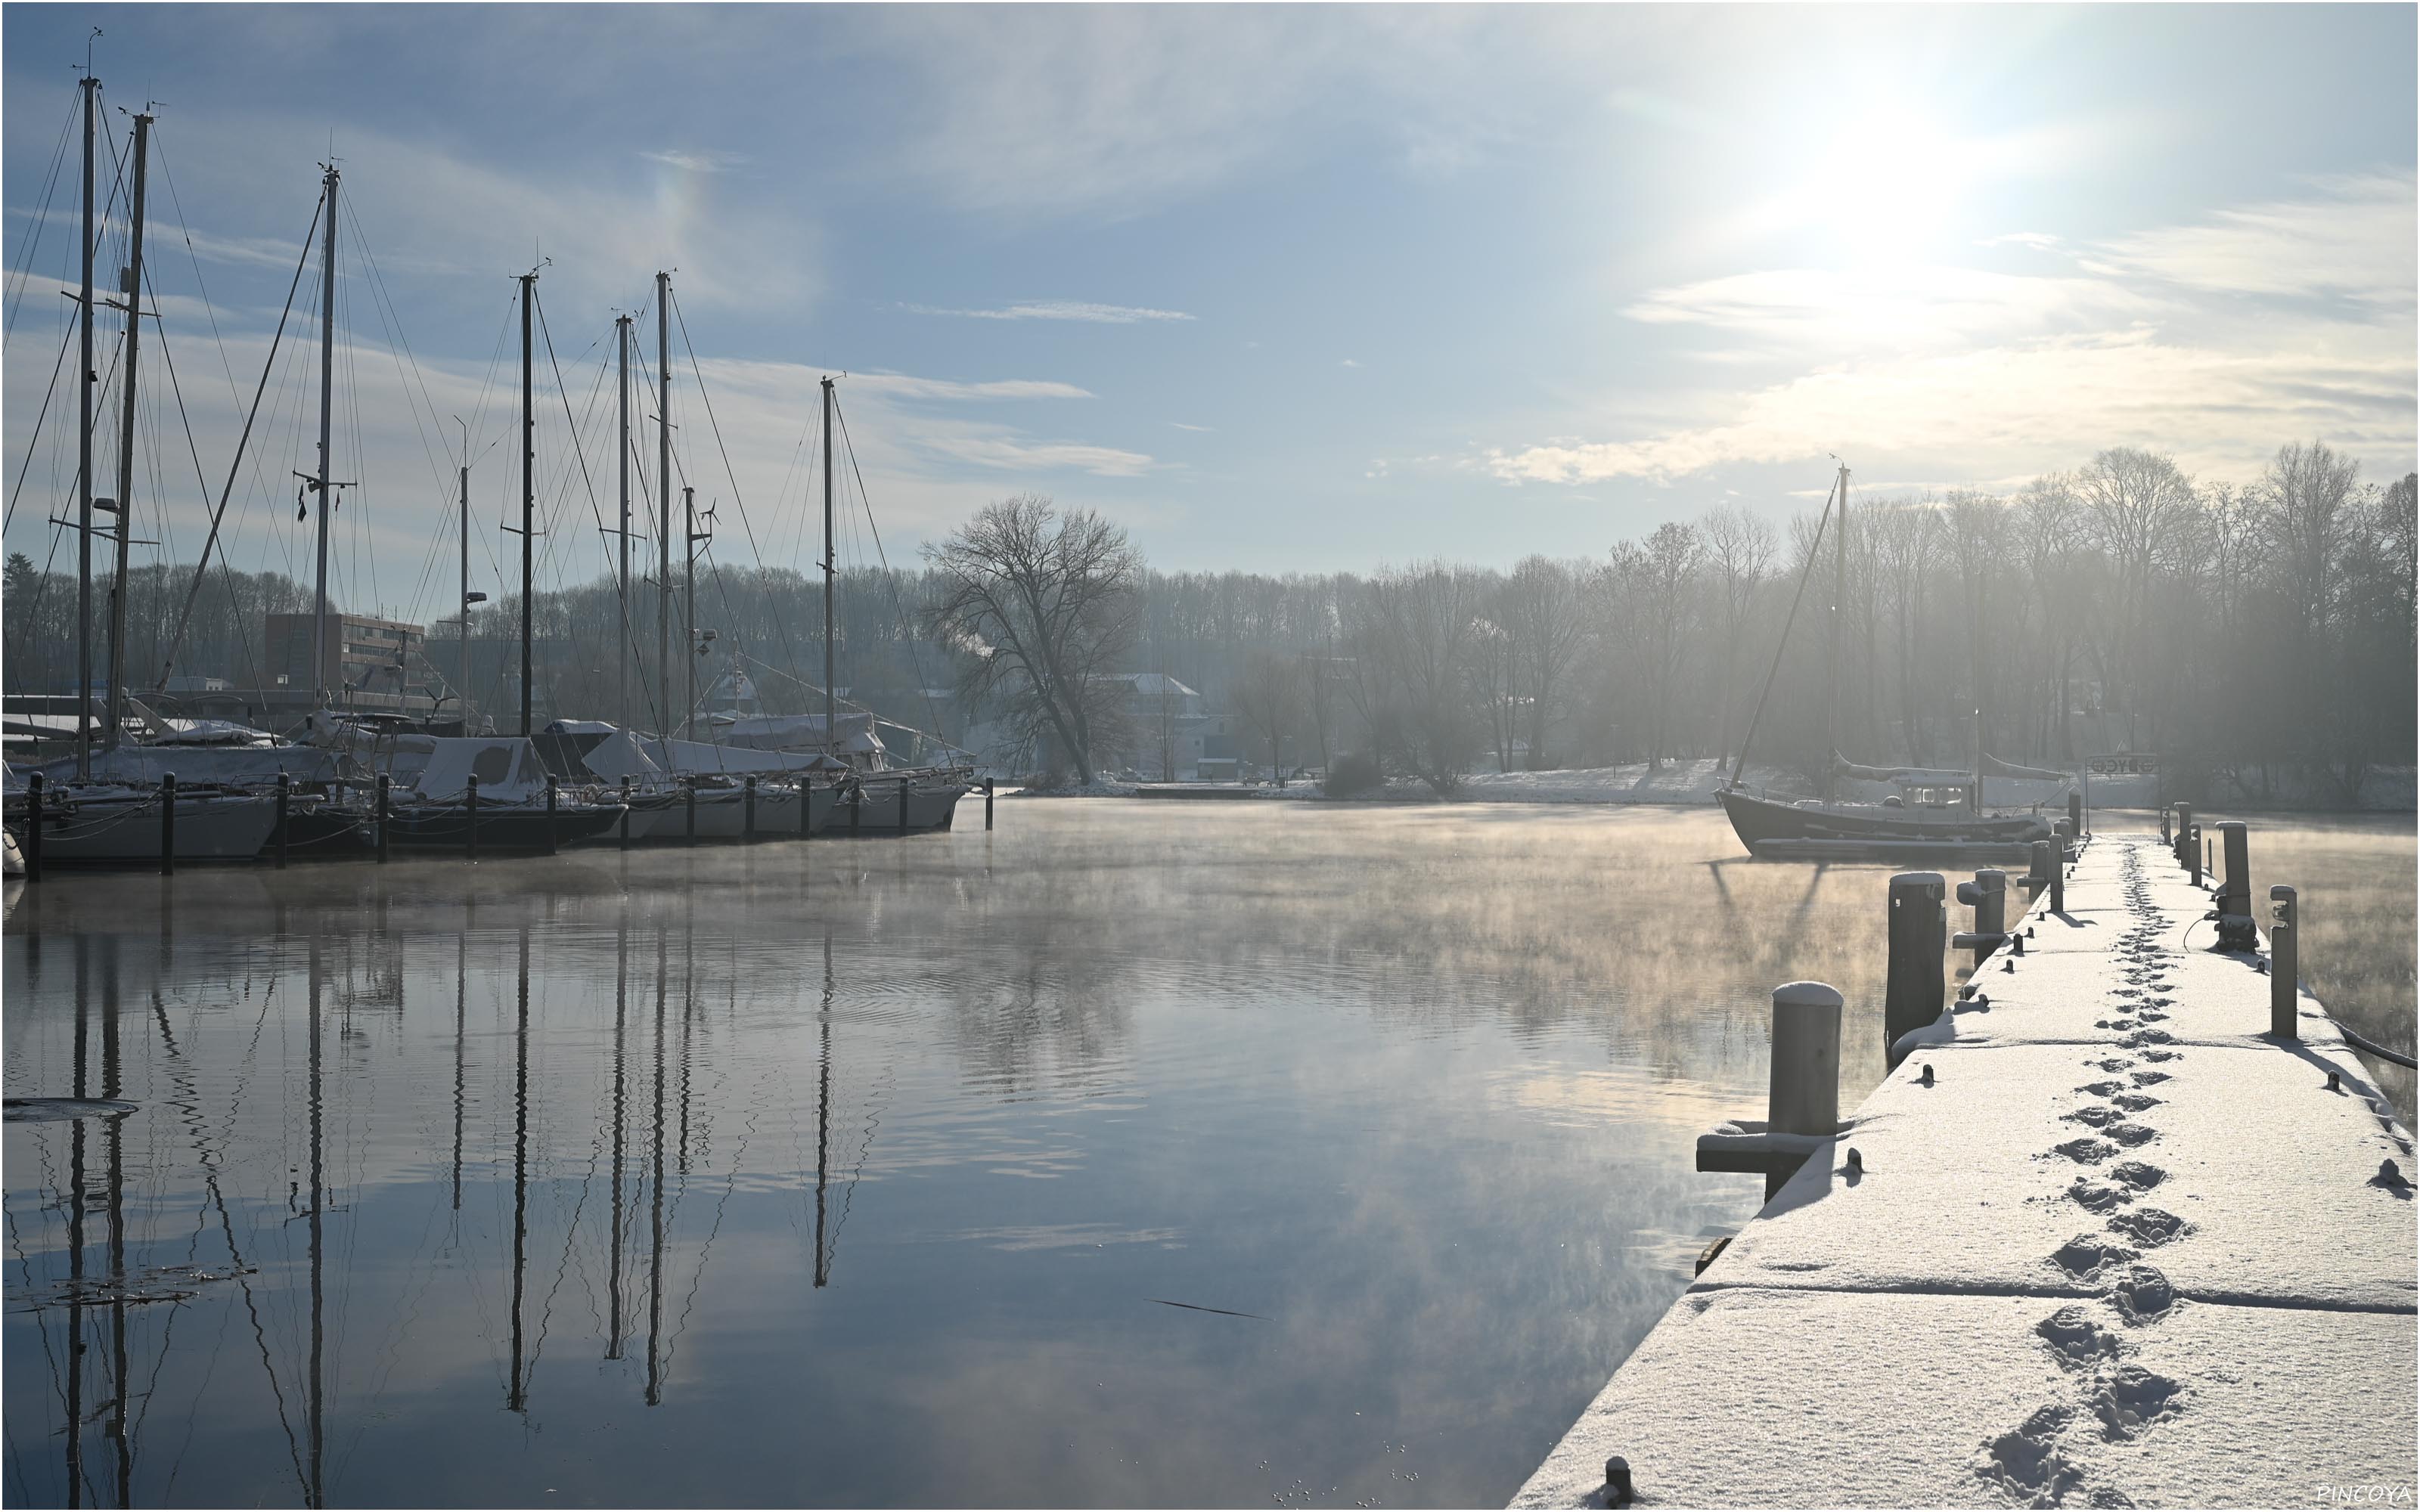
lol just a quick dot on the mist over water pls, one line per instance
(1132, 1153)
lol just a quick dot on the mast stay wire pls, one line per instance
(780, 625)
(33, 442)
(629, 638)
(907, 630)
(33, 242)
(235, 464)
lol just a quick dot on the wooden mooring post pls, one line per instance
(2285, 960)
(284, 788)
(2236, 929)
(385, 812)
(903, 806)
(33, 827)
(2184, 832)
(2041, 864)
(168, 824)
(549, 813)
(1802, 1096)
(1988, 895)
(987, 781)
(2058, 872)
(470, 819)
(1913, 991)
(748, 812)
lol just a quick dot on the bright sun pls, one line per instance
(1886, 184)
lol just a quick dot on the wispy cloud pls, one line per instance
(1103, 314)
(2038, 240)
(695, 162)
(2001, 411)
(2214, 341)
(1008, 454)
(1181, 425)
(2352, 238)
(1348, 363)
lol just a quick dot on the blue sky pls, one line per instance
(1281, 289)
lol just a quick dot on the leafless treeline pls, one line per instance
(2265, 629)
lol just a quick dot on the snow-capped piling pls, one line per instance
(1912, 995)
(2236, 931)
(2285, 960)
(1804, 1095)
(1802, 1105)
(2058, 872)
(2041, 866)
(1988, 895)
(2074, 812)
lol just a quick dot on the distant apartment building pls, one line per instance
(361, 655)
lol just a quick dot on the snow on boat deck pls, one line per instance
(2125, 1250)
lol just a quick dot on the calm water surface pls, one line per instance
(1133, 1153)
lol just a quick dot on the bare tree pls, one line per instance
(1412, 639)
(1739, 547)
(1268, 695)
(1907, 538)
(1671, 562)
(2308, 515)
(1546, 613)
(2139, 502)
(1043, 605)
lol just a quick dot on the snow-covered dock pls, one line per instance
(2122, 1248)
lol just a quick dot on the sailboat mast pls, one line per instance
(832, 731)
(689, 614)
(83, 468)
(463, 602)
(529, 491)
(1839, 611)
(327, 412)
(663, 495)
(622, 656)
(133, 282)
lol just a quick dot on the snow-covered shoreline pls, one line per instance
(1694, 782)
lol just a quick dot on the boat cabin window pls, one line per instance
(1943, 796)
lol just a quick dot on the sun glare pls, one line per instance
(1887, 184)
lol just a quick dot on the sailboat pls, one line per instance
(1933, 813)
(84, 815)
(880, 800)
